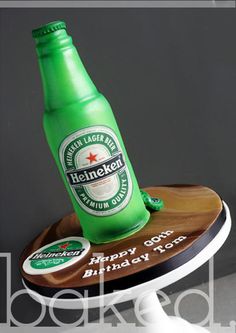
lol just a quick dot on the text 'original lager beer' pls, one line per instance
(86, 143)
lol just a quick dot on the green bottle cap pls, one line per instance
(48, 28)
(152, 203)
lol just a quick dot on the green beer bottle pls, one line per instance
(86, 143)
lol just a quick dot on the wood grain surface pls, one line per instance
(192, 216)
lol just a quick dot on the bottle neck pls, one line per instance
(65, 80)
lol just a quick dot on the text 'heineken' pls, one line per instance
(86, 143)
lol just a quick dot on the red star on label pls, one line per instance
(92, 158)
(64, 246)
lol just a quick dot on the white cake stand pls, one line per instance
(157, 321)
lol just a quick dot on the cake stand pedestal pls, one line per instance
(156, 320)
(190, 229)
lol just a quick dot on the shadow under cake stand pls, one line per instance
(185, 234)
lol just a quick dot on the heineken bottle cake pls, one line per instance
(117, 233)
(86, 142)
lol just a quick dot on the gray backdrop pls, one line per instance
(170, 76)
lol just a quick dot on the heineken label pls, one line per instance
(56, 256)
(96, 171)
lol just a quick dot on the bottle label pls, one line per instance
(96, 170)
(56, 256)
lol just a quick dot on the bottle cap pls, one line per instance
(152, 203)
(48, 28)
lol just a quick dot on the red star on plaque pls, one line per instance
(92, 158)
(64, 246)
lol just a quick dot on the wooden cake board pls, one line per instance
(186, 233)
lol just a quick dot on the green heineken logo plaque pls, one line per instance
(96, 171)
(56, 256)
